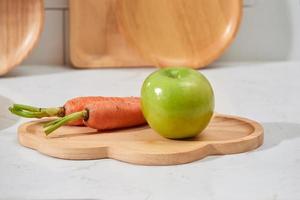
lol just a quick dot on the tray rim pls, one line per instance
(251, 141)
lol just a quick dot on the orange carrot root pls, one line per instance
(111, 115)
(105, 114)
(79, 103)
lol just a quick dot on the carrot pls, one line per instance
(104, 115)
(73, 105)
(78, 104)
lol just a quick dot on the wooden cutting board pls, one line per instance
(141, 145)
(21, 23)
(190, 33)
(95, 40)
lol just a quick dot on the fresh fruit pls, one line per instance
(177, 102)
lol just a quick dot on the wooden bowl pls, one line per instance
(21, 24)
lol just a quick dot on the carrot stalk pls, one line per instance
(35, 112)
(26, 107)
(51, 122)
(52, 126)
(24, 113)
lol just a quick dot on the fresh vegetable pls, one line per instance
(73, 105)
(104, 115)
(177, 102)
(96, 112)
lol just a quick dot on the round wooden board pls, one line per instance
(189, 33)
(141, 145)
(21, 24)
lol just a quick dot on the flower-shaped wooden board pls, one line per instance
(142, 145)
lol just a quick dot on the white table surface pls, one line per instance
(266, 92)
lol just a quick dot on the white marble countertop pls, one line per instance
(266, 92)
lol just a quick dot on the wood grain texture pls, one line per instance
(21, 23)
(141, 145)
(189, 33)
(95, 40)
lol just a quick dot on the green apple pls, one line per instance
(177, 102)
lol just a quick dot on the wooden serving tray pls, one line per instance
(141, 145)
(189, 33)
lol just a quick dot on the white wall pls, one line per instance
(270, 31)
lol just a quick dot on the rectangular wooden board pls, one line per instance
(95, 38)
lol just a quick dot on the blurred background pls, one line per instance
(269, 31)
